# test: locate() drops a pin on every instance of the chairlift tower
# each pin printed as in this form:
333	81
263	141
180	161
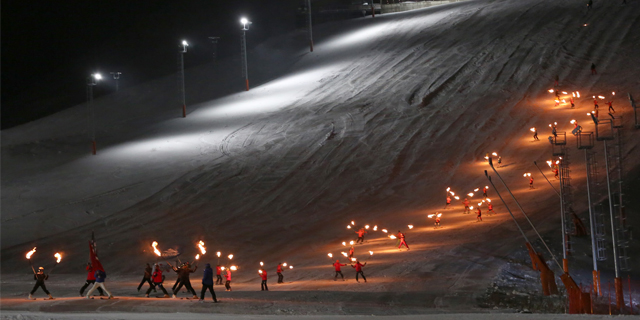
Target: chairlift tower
559	149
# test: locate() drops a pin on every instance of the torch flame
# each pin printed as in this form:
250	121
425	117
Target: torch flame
348	227
353	223
198	256
470	194
351	242
457	198
550	90
344	254
284	264
452	193
230	257
564	92
261	263
601	97
476	189
290	267
370	253
384	230
613	93
260	271
30	253
58	256
344	243
578	94
218	254
495	154
410	226
471	207
375	228
155	250
431	215
572	121
488	200
439	215
202	248
533	129
366	227
449	188
353	259
392	236
574	94
222	268
330	255
234	268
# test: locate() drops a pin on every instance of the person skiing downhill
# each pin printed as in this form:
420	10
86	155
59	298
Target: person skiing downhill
218	275
337	266
401	237
263	275
555	173
466	206
436	223
490	208
91	279
358	267
40	277
158	279
531	183
207	283
484	192
279	272
611	109
479	215
100	276
448	201
535	134
183	274
361	234
351	252
227	284
572	103
146	277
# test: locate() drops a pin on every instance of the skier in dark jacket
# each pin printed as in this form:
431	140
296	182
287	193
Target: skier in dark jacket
183	275
146	277
176	269
158	279
91	279
207	283
40	277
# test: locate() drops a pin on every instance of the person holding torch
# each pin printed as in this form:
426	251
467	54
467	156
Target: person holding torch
279	272
337	266
218	275
358	266
263	275
40	277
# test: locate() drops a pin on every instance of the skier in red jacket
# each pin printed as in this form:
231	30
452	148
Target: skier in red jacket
490	208
531	183
437	222
479	215
263	275
484	192
401	237
279	272
91	279
466	206
157	279
218	275
351	251
358	267
337	266
448	202
361	234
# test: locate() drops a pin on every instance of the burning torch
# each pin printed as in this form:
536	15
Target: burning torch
29	254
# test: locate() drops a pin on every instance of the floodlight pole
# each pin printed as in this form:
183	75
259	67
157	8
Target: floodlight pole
310	26
617	280
92	80
184	97
116	77
245	27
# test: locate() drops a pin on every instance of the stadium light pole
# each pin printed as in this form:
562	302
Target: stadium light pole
245	27
116	77
92	81
310	26
184	44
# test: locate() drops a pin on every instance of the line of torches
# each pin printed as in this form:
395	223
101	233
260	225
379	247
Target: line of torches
284	264
202	249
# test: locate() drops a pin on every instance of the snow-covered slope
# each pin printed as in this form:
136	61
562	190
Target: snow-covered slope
372	126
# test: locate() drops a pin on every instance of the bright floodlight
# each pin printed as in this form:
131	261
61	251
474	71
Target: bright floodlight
184	43
244	21
97	76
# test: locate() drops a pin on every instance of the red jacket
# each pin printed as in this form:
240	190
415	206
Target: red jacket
361	233
263	275
359	266
400	235
490	206
228	275
218	270
279	270
157	276
530	180
466	203
479	212
448	200
90	273
337	265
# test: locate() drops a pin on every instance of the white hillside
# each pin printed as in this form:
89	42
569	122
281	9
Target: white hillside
372	126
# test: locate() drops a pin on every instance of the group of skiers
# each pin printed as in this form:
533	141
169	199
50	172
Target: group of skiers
358	266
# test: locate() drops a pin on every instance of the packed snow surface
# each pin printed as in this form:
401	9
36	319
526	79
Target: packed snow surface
372	126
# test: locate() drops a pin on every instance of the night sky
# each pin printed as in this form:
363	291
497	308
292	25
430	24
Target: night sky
50	47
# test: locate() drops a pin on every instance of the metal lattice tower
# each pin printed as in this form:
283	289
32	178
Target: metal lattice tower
622	229
559	149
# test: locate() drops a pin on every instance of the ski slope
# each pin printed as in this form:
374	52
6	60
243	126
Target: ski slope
372	126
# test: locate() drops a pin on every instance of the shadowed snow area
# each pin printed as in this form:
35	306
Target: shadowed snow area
372	126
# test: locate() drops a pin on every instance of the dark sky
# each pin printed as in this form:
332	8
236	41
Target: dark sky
50	47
